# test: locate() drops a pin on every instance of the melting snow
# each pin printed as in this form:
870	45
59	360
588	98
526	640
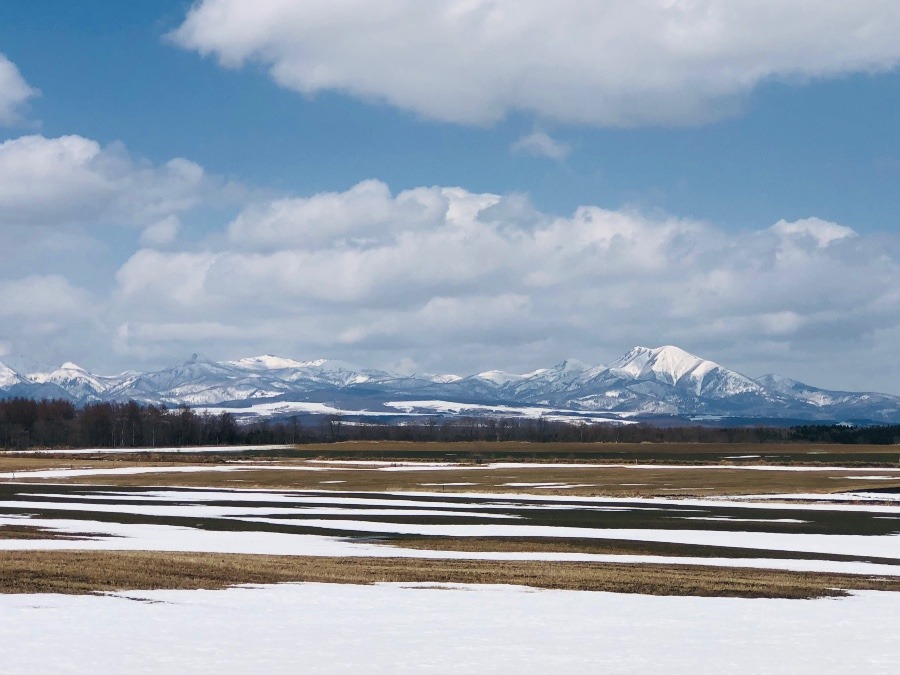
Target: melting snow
415	628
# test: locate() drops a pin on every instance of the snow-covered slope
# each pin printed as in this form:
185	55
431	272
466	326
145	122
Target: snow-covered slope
79	383
651	381
9	377
15	385
835	404
323	371
198	381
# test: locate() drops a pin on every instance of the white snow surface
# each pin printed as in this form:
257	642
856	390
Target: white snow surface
309	508
136	470
144	537
430	628
9	377
529	412
180	449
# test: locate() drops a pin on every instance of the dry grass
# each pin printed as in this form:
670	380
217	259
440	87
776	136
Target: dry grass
607	481
79	572
13	463
33	532
551	450
477	451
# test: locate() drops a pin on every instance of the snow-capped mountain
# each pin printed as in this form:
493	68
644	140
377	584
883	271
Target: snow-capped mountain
199	381
9	377
15	385
675	367
662	381
79	383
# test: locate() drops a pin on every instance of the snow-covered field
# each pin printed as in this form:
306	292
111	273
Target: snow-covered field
330	523
406	628
415	628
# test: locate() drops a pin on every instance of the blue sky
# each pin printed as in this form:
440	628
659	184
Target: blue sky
699	145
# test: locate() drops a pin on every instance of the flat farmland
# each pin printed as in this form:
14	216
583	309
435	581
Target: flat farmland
440	534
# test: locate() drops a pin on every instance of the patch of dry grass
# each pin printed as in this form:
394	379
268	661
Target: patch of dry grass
34	532
548	451
608	481
13	463
592	481
79	572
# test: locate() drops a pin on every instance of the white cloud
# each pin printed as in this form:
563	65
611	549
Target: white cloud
820	231
541	144
476	280
602	62
38	297
14	92
365	213
70	179
162	232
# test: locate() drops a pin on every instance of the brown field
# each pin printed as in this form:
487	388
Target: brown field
587	481
479	451
95	571
391	448
10	462
79	572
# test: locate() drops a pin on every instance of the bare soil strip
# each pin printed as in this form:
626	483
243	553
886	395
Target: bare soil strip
80	572
609	547
31	532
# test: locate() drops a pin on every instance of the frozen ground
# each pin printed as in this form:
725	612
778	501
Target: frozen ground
333	523
403	628
214	449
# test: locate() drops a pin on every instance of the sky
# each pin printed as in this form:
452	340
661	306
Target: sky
452	186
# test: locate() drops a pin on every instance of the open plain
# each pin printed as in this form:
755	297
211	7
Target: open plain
750	523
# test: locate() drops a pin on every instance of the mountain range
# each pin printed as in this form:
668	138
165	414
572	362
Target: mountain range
659	383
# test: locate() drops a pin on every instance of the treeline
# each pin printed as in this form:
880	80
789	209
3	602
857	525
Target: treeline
25	423
841	433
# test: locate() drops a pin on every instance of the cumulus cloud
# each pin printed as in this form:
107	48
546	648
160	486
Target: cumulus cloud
161	232
54	181
14	92
541	144
815	229
37	296
599	62
444	276
365	213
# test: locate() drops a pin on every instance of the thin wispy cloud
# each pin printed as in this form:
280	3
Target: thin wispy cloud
14	92
541	144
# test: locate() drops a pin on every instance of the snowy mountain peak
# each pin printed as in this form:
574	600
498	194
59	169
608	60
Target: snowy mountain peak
9	377
633	361
571	366
499	377
668	362
68	365
446	378
266	362
677	363
675	367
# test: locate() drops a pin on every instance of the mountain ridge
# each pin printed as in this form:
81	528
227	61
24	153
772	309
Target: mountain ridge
644	381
